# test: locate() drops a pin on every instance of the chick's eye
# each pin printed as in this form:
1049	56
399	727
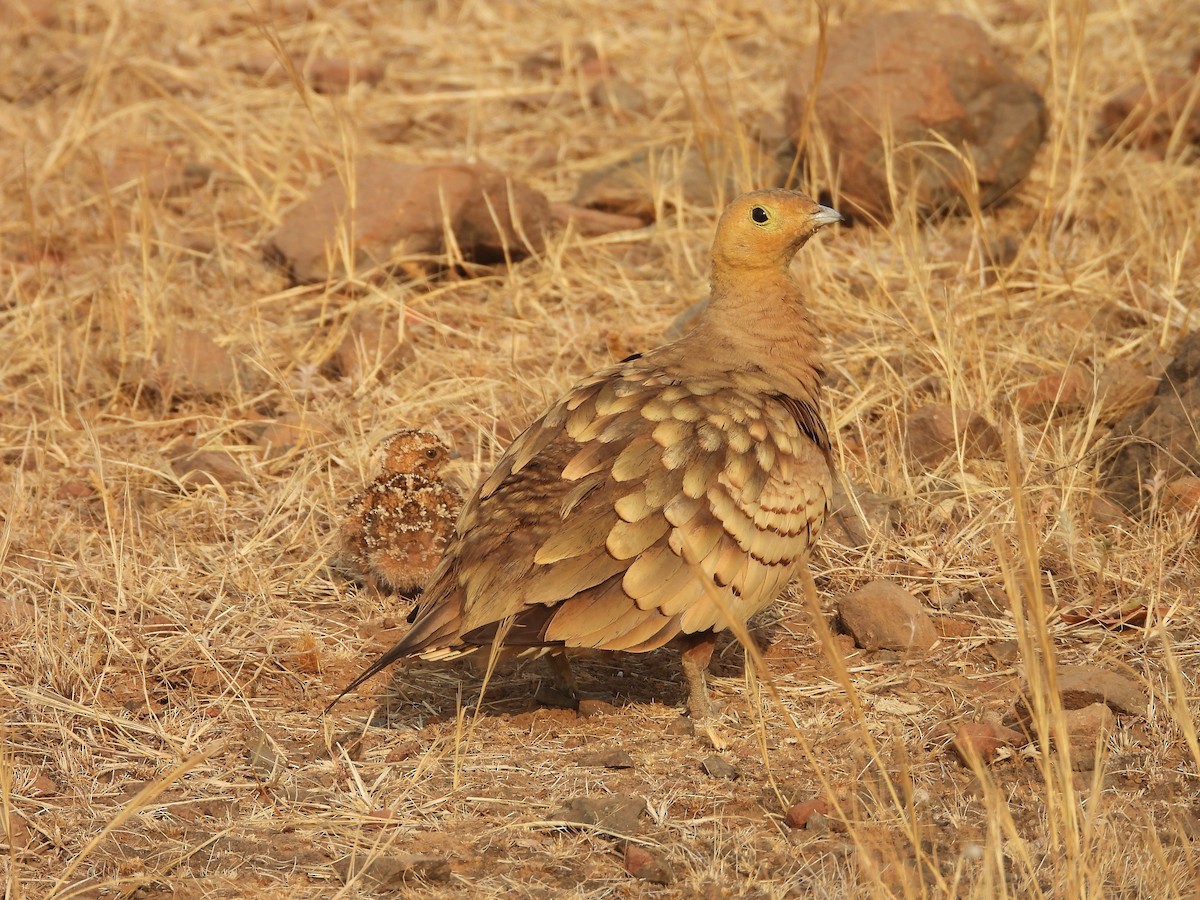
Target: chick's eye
431	453
760	215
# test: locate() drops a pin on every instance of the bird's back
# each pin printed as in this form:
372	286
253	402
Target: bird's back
601	524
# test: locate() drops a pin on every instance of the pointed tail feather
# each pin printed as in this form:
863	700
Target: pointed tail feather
435	628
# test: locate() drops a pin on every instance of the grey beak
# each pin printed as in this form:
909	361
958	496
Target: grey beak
826	216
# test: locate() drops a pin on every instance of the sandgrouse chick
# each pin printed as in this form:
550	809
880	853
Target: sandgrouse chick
700	466
396	529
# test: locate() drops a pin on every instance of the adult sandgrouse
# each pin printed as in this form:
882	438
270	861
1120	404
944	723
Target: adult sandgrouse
395	530
702	465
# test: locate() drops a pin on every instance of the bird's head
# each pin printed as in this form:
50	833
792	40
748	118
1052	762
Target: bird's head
764	229
415	452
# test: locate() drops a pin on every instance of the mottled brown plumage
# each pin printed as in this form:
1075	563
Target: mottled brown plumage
395	530
704	461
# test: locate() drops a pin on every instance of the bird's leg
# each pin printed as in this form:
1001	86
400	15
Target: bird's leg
695	659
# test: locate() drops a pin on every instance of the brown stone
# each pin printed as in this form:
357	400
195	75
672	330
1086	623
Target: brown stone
884	616
1182	495
799	814
983	740
192	363
617	814
924	79
937	430
639	185
1157	443
400	217
1067	391
592	222
1122	387
294	431
645	865
1150	114
1080	686
197	467
857	522
1087	729
393	872
372	347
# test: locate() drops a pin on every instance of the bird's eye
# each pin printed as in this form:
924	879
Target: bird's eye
760	215
431	453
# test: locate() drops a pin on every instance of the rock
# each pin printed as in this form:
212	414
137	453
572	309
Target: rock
338	75
371	347
956	89
1080	686
1182	495
198	467
982	740
716	767
617	815
393	872
607	759
647	866
1004	652
641	184
592	222
884	616
818	823
1157	443
1068	391
400	214
935	431
799	815
857	522
1150	114
991	599
592	706
681	726
294	431
1123	387
1087	729
189	363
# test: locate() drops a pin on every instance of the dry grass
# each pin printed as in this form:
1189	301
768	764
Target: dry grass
167	650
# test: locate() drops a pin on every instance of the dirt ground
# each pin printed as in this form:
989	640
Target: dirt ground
168	642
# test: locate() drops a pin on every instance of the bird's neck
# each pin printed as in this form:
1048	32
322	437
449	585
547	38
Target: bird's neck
758	318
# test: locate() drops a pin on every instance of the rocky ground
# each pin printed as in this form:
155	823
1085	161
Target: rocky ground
242	245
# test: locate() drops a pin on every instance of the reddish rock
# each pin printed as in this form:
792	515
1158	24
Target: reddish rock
401	212
857	521
592	222
937	430
1157	443
923	78
1087	729
190	363
800	813
1067	391
639	185
1122	387
197	467
646	866
884	616
1182	495
1080	686
1150	114
983	740
372	347
293	431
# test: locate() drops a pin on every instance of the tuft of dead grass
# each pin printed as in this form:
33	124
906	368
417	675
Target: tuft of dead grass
167	647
